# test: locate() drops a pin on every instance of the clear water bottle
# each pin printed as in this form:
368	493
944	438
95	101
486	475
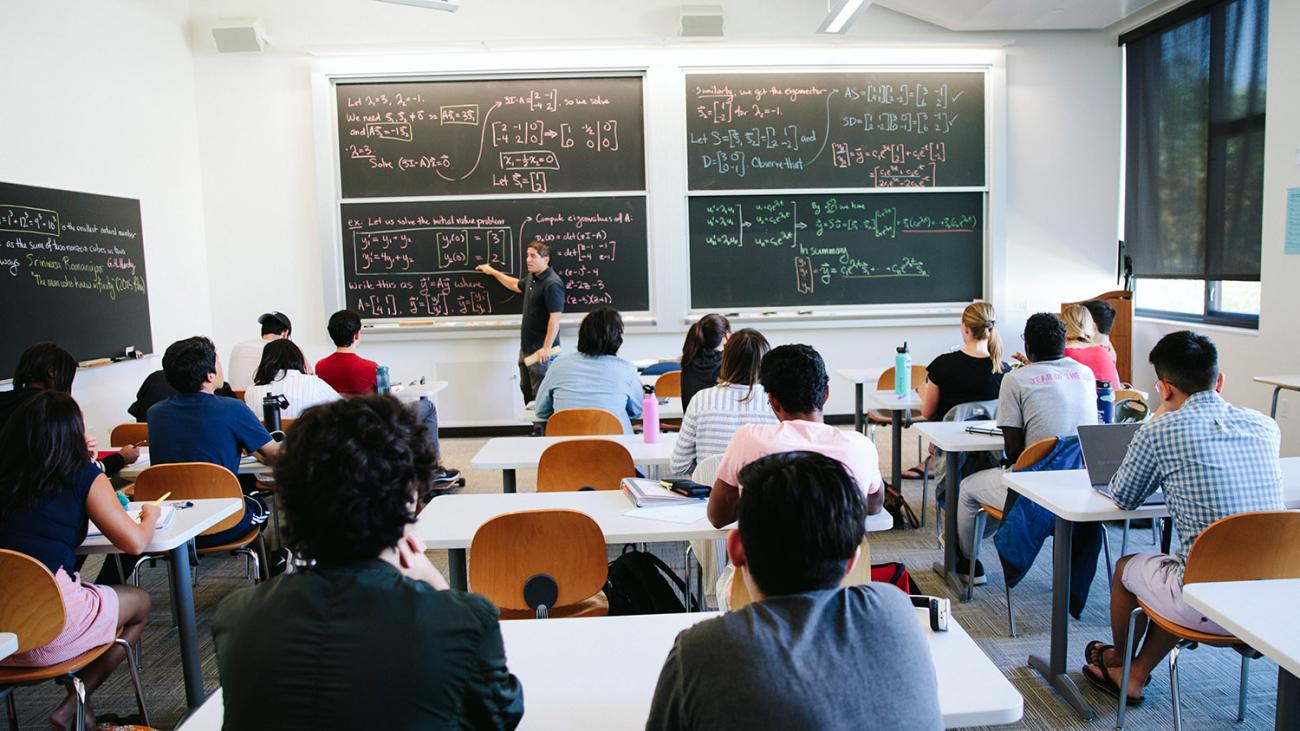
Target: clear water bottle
1105	403
903	371
381	379
650	418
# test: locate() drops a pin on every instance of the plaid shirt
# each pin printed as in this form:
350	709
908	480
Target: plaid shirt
1212	460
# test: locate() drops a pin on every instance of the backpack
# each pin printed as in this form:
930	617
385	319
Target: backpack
641	583
894	573
897	507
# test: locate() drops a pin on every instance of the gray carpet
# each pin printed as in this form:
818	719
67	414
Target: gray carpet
1208	675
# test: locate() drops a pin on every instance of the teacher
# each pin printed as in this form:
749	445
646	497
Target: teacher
539	328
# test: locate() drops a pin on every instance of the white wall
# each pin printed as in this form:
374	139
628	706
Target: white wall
1056	239
99	97
1274	348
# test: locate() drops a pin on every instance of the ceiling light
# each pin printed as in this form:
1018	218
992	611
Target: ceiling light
842	15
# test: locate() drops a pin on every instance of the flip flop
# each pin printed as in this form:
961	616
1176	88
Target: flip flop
1108	686
1094	651
911	473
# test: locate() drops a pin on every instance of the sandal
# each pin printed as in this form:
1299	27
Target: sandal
1108	686
1094	651
915	473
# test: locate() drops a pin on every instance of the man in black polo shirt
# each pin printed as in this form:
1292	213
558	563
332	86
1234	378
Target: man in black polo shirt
539	330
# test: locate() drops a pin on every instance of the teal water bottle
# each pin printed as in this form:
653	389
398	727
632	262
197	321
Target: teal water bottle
903	371
381	379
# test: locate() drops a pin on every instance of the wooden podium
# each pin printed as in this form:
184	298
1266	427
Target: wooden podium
1121	333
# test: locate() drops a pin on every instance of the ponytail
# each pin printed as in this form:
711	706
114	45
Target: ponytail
706	334
981	319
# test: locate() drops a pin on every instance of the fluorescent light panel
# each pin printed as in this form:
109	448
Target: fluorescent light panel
841	17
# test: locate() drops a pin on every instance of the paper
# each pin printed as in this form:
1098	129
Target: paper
166	515
688	513
1291	238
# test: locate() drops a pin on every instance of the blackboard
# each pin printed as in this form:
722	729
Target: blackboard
417	259
835	130
71	271
840	249
507	137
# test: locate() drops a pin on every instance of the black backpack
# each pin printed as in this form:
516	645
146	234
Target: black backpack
641	583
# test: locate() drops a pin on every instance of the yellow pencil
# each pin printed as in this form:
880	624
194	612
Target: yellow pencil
160	500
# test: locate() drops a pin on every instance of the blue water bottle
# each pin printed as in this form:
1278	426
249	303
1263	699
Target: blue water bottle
903	371
1105	403
381	379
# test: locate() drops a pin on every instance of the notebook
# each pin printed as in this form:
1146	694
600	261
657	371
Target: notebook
165	517
646	493
1104	447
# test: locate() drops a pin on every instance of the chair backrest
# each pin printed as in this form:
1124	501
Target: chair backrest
669	385
510	549
1128	393
706	470
1034	453
30	605
239	394
192	481
663	366
132	432
886	380
973	410
1245	547
572	465
582	422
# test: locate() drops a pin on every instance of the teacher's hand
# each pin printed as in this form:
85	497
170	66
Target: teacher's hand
486	269
543	355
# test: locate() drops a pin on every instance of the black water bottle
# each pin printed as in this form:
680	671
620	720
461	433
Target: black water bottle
271	412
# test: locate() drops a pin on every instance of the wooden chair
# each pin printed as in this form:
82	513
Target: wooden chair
669	385
1242	547
32	607
876	418
584	463
860	574
540	563
200	481
239	394
132	432
582	422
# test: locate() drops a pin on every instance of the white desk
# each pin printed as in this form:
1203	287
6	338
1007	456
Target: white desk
520	453
1257	611
860	378
1068	495
952	438
669	408
415	391
450	522
8	644
571	679
247	466
1279	383
896	406
188	523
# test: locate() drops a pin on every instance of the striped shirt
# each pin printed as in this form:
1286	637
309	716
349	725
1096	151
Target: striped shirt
711	419
303	391
1212	460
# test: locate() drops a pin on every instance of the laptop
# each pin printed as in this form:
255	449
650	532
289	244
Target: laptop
1104	447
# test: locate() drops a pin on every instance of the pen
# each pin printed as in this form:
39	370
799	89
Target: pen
160	500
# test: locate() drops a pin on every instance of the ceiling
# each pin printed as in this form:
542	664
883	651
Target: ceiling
993	15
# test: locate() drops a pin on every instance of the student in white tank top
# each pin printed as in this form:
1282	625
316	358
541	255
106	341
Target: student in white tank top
284	371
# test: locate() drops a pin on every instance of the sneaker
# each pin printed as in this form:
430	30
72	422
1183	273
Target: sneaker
963	570
445	476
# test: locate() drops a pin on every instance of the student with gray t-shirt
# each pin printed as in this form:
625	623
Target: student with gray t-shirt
805	654
1050	397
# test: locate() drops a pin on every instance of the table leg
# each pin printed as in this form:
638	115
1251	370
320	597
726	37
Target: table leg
508	480
896	450
183	604
1053	669
1166	534
857	407
951	494
1288	701
459	578
1272	412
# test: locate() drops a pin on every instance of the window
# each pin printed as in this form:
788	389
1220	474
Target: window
1194	160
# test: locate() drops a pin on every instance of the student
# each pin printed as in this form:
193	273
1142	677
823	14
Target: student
283	371
1212	460
1050	397
1079	329
594	377
47	367
539	325
716	413
49	489
156	388
246	355
1103	318
805	654
794	377
369	635
702	355
351	375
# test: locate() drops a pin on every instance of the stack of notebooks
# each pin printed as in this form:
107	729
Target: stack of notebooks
645	493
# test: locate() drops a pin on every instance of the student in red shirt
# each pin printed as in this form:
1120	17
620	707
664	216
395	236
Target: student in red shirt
352	375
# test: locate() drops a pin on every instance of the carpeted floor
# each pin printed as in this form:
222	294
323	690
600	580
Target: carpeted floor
1209	676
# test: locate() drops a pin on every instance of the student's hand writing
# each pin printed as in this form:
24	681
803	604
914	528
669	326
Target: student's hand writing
149	513
130	453
416	565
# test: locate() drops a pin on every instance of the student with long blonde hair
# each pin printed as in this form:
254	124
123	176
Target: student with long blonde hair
1079	345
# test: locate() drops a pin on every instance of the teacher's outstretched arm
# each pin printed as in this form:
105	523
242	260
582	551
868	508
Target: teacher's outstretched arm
507	281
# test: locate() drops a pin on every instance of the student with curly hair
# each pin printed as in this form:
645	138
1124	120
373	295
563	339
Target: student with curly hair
369	635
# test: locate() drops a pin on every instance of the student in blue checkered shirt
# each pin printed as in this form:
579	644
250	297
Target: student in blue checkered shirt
1212	460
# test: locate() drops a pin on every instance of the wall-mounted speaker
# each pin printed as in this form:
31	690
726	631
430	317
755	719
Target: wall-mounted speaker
701	21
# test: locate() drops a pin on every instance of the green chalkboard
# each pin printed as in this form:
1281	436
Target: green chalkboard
842	249
841	129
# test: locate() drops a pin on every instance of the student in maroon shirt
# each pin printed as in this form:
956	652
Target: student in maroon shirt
352	375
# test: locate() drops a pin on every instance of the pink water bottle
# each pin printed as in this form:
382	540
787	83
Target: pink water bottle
650	418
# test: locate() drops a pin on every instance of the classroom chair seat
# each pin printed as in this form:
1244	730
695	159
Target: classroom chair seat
540	563
32	608
584	463
881	418
131	432
1229	549
669	385
582	422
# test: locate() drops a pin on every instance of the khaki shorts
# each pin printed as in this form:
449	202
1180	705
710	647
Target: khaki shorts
1154	579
